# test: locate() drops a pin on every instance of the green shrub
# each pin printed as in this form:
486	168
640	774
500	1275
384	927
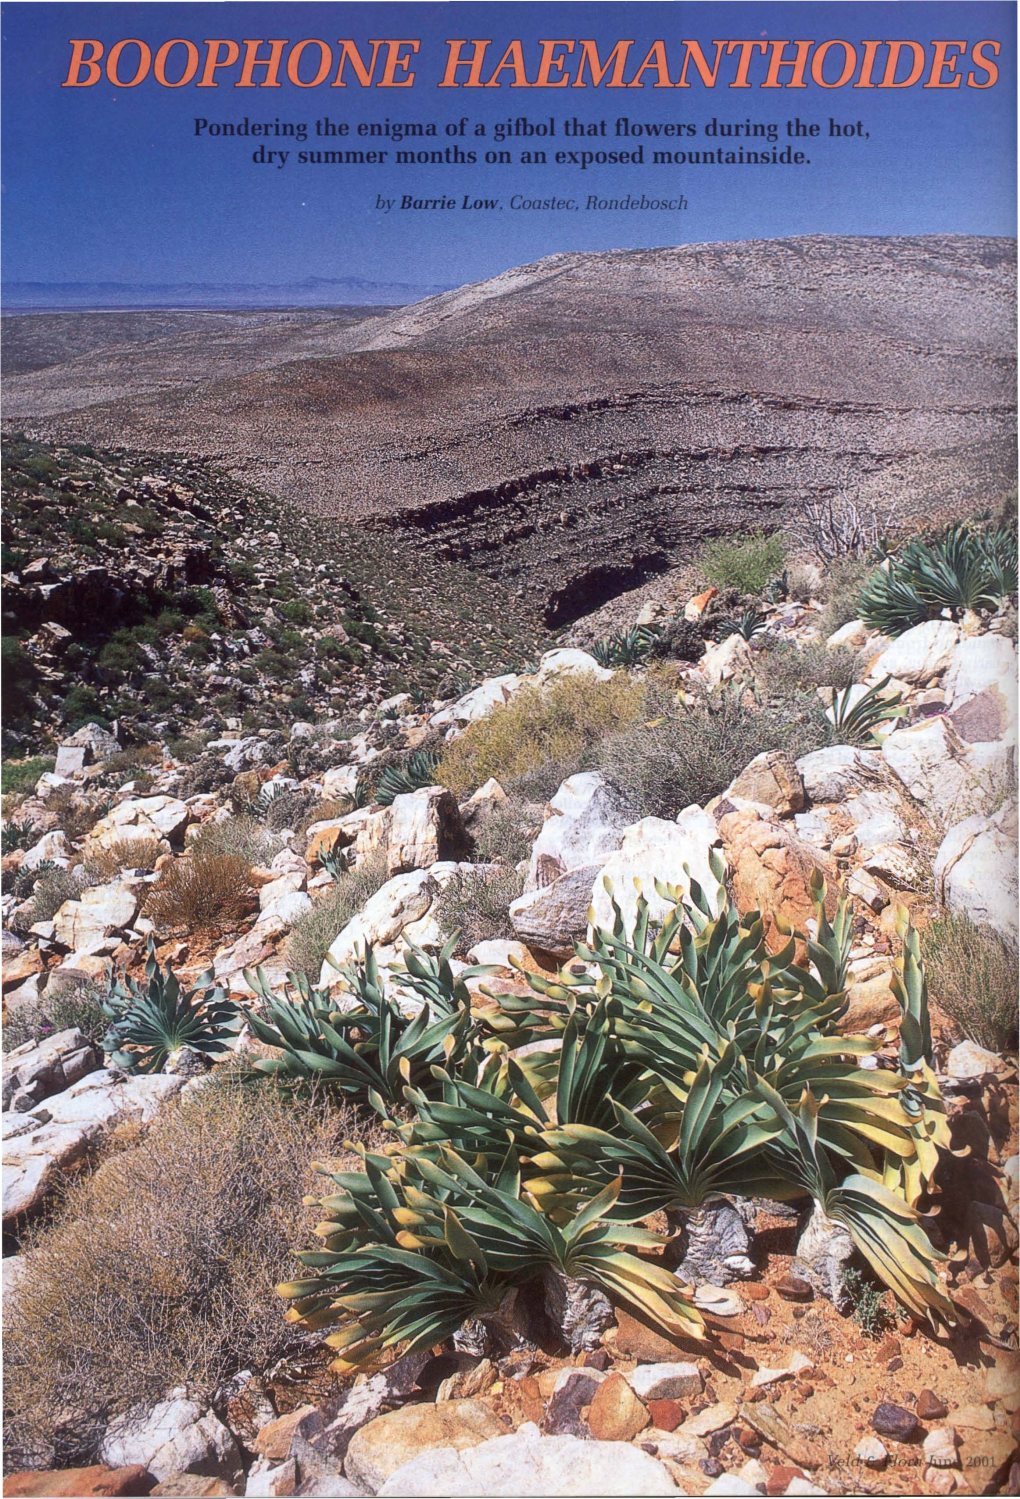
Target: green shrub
788	669
20	675
868	1297
477	905
542	735
972	972
21	775
691	753
312	935
842	592
746	563
83	705
159	1270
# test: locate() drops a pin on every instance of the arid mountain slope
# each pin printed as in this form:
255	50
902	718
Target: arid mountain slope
579	423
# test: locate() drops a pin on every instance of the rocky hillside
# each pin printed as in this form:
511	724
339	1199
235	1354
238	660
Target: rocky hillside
161	595
759	893
581	422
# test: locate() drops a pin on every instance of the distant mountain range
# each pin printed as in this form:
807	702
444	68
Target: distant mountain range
313	291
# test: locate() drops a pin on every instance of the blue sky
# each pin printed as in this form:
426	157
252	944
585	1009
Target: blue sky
111	184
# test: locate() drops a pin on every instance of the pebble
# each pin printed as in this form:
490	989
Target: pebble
894	1422
666	1414
871	1452
616	1414
792	1288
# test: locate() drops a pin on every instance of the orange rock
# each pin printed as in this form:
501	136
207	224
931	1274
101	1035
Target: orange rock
695	607
616	1414
79	1483
274	1440
772	870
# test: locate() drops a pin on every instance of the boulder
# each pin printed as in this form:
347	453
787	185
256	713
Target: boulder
830	775
854	633
922	652
772	871
66	1129
970	1060
653	849
396	905
101	911
616	1413
175	1436
976	870
564	663
871	1002
389	1442
492	693
39	1069
981	691
696	606
554	917
52	848
79	1483
585	825
528	1463
424	828
951	779
721	663
147	819
480	805
341	781
771	779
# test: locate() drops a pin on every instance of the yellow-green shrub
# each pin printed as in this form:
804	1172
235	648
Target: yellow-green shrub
555	726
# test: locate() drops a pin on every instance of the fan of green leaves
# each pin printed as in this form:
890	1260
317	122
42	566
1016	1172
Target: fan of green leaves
963	569
625	647
735	1043
370	1051
153	1021
747	624
419	770
856	715
418	1244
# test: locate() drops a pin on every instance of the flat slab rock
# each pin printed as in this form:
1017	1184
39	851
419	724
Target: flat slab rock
401	1437
79	1483
527	1463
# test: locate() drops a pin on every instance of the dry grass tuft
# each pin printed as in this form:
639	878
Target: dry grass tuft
202	892
312	934
557	726
160	1270
125	853
972	976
